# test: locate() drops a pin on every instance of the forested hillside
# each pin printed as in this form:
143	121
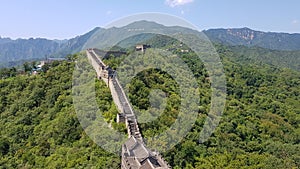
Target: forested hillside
260	125
276	58
259	128
39	126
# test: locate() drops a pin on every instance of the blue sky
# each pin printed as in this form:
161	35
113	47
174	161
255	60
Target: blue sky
69	18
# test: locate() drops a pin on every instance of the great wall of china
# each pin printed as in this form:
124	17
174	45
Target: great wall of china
135	154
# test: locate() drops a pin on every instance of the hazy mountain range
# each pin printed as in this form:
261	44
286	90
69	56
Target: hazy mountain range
248	37
13	52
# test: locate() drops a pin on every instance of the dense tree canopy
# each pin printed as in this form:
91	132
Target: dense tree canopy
260	124
260	127
39	127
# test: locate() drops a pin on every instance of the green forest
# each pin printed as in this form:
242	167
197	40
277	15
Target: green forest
260	126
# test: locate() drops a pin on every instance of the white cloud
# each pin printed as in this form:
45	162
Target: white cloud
174	3
295	22
108	12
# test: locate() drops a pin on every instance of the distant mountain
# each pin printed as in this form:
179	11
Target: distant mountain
105	38
4	40
250	38
13	52
74	45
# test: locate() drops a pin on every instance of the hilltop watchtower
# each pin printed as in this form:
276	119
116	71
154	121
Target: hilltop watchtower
142	47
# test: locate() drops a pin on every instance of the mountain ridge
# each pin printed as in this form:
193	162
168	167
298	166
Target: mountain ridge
12	51
248	37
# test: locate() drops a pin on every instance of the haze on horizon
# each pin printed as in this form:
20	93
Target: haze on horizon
70	18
